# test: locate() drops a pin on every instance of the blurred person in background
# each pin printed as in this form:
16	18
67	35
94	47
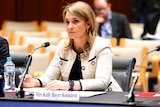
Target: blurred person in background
142	8
110	24
4	53
151	29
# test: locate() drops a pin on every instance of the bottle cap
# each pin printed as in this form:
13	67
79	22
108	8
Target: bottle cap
9	58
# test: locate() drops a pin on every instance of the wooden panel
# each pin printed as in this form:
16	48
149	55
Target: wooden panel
27	10
123	6
7	10
51	10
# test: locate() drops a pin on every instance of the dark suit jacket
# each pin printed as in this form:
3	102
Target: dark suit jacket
120	26
151	23
4	52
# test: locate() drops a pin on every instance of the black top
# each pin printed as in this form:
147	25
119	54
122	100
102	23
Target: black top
76	73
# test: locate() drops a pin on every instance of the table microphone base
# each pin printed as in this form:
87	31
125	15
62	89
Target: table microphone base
20	93
126	102
132	98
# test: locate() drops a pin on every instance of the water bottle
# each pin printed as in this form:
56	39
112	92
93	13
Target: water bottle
9	74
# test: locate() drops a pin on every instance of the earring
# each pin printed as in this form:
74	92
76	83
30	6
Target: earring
87	30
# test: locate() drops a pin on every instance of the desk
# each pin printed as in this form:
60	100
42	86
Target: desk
110	99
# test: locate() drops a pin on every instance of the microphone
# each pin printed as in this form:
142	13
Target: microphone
20	92
156	49
131	96
46	44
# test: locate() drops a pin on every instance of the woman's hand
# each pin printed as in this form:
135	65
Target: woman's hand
57	85
28	81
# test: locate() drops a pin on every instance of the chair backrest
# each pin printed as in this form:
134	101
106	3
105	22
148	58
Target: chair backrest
55	30
132	43
17	36
46	24
40	62
2	33
20	60
19	48
19	25
36	42
122	70
138	53
137	30
53	27
113	41
9	26
151	45
61	34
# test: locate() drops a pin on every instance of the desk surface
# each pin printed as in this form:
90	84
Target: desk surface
120	98
110	99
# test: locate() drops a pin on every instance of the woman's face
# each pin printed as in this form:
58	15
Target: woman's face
76	27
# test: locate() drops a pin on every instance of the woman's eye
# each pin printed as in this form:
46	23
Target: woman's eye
66	22
75	21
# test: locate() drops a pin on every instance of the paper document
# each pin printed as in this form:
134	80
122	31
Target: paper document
81	93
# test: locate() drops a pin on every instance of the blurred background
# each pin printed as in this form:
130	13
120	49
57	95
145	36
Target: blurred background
29	10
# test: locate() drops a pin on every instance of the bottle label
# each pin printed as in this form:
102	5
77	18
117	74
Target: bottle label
9	68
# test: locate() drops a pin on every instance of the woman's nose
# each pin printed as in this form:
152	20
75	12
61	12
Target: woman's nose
70	25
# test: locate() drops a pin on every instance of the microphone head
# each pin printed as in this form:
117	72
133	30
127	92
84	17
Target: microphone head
46	44
158	48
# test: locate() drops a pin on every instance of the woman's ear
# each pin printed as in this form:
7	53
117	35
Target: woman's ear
88	25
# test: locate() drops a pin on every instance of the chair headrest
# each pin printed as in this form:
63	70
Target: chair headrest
122	62
19	59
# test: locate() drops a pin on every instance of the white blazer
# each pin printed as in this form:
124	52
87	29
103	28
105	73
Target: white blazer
96	69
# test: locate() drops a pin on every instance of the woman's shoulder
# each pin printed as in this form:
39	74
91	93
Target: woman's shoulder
101	45
102	42
62	42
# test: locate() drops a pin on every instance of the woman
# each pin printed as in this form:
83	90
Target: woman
83	61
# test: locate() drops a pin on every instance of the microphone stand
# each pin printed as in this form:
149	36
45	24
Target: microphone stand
131	96
21	93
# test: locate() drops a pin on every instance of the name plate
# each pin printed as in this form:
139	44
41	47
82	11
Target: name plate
57	95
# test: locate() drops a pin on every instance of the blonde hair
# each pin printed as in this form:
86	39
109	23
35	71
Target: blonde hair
84	12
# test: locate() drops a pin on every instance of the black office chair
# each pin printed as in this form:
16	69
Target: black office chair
122	70
20	60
